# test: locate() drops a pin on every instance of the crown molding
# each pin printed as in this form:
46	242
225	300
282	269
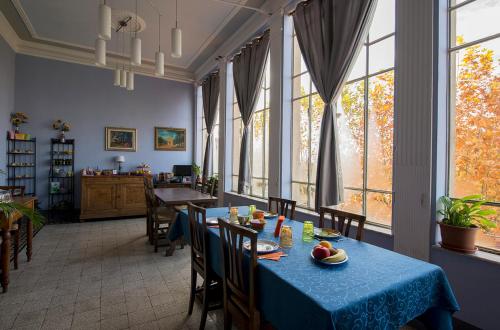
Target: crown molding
83	57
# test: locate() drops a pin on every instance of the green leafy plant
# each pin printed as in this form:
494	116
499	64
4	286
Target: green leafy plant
466	212
9	208
196	169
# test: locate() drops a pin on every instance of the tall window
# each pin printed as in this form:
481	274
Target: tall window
215	144
474	57
365	122
259	140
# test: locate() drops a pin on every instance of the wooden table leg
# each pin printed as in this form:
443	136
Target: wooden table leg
29	233
5	259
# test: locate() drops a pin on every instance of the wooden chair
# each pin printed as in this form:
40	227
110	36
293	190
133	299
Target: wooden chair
200	263
159	219
239	281
341	220
284	207
15	231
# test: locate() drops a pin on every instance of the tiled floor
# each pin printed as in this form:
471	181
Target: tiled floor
103	275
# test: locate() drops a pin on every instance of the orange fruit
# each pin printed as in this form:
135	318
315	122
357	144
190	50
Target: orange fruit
326	244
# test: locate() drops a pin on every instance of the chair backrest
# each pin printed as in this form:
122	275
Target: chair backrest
14	190
238	266
284	207
151	200
198	232
341	220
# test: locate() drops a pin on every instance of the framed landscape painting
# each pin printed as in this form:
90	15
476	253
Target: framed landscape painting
121	139
170	139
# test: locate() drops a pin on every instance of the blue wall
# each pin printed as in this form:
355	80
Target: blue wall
7	79
85	97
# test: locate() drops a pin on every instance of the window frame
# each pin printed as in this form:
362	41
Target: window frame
266	89
364	190
450	101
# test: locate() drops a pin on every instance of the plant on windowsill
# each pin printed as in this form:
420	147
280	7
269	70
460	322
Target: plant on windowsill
462	218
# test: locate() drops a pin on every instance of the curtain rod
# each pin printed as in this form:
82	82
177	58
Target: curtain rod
302	3
256	39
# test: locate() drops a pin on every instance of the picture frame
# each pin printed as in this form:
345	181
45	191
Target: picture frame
170	139
120	139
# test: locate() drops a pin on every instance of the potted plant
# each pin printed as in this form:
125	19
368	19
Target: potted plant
462	218
196	172
8	207
61	126
18	118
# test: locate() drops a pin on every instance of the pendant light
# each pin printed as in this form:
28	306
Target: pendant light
104	21
130	80
160	57
123	78
100	52
117	76
136	56
176	37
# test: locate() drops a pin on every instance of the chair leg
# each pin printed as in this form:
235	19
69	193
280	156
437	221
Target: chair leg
204	312
228	320
156	236
17	240
194	276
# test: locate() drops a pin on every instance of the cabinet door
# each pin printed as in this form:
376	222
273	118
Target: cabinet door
132	196
100	197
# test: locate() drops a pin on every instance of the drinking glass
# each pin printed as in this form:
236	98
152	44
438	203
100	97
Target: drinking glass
308	231
286	239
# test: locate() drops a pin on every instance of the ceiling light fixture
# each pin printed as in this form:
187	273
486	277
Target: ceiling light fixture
100	52
130	80
104	21
160	57
136	56
176	37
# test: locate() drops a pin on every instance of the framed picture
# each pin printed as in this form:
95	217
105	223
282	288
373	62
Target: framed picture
170	139
121	139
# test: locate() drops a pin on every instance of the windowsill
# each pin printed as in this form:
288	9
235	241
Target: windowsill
306	212
479	255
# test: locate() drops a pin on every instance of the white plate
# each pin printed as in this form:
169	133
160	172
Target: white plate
319	233
330	263
212	221
263	246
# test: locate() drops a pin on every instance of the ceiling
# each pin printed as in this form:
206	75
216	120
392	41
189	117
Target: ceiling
73	24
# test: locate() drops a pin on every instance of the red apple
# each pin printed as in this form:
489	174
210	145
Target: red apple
321	252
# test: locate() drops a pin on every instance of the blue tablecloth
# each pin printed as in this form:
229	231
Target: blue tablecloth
375	289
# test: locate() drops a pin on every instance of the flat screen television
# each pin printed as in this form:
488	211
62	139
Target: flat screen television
182	170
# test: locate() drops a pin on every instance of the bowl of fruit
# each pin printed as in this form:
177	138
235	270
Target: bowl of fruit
325	254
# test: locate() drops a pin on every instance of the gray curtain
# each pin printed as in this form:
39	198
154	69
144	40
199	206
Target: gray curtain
210	93
330	34
248	71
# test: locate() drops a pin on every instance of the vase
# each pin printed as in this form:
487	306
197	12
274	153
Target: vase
62	138
17	129
460	239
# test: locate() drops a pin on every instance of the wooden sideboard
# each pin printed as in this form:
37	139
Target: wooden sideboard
112	196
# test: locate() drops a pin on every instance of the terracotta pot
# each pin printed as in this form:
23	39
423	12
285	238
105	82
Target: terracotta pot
458	238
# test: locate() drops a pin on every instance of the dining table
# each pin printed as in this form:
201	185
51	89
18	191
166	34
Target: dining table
375	289
6	225
172	197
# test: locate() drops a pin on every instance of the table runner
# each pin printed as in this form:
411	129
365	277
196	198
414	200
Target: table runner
376	288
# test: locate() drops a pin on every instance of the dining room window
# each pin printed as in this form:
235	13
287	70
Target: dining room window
215	144
474	106
365	123
259	140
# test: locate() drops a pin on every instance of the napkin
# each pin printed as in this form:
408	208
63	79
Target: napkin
276	256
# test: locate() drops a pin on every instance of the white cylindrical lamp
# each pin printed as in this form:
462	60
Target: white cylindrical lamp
160	64
136	55
130	81
176	42
100	52
104	22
